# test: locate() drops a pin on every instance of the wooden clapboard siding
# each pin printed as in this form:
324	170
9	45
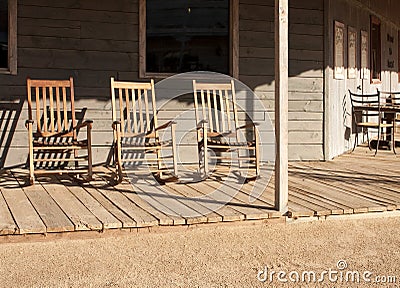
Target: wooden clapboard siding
94	40
89	40
305	68
339	136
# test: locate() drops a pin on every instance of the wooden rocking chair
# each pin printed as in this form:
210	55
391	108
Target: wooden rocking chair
218	127
136	129
55	139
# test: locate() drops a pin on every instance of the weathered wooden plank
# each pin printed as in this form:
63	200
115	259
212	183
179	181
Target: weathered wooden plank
327	207
7	179
349	190
294	209
179	205
201	214
102	214
238	202
68	13
320	191
7	224
95	189
50	213
26	218
167	218
63	59
150	191
299	68
163	218
196	202
306	152
80	216
307	202
141	217
217	203
371	189
223	212
258	193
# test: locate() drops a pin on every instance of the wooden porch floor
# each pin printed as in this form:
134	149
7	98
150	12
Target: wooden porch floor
352	183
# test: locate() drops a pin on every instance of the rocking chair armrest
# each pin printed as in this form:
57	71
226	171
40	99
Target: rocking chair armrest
27	122
248	125
164	126
201	124
86	123
115	124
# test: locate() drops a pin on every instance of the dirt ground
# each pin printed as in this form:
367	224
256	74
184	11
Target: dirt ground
215	256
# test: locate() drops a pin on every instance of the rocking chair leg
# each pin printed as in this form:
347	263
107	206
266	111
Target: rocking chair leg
205	137
90	168
257	152
198	153
76	156
119	160
174	151
31	167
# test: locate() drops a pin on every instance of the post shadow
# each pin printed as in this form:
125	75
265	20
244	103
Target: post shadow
10	112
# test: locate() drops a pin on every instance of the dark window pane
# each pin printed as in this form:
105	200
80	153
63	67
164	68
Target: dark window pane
376	50
186	36
3	33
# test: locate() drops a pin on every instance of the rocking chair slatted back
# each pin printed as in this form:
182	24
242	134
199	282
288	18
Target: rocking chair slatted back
218	128
133	101
52	103
213	104
51	99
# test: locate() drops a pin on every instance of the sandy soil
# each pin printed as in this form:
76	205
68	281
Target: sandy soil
210	256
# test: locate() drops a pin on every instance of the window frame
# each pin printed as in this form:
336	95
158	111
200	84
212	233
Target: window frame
398	55
233	42
12	39
375	21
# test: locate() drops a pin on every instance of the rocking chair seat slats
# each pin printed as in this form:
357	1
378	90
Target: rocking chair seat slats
51	110
46	143
225	143
156	143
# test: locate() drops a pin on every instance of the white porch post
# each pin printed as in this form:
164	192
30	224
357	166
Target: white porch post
281	104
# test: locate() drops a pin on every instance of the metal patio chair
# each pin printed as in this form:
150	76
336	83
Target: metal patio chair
368	114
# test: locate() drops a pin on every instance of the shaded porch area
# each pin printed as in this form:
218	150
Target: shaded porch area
352	183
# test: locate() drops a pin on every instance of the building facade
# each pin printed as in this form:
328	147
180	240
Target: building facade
141	39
